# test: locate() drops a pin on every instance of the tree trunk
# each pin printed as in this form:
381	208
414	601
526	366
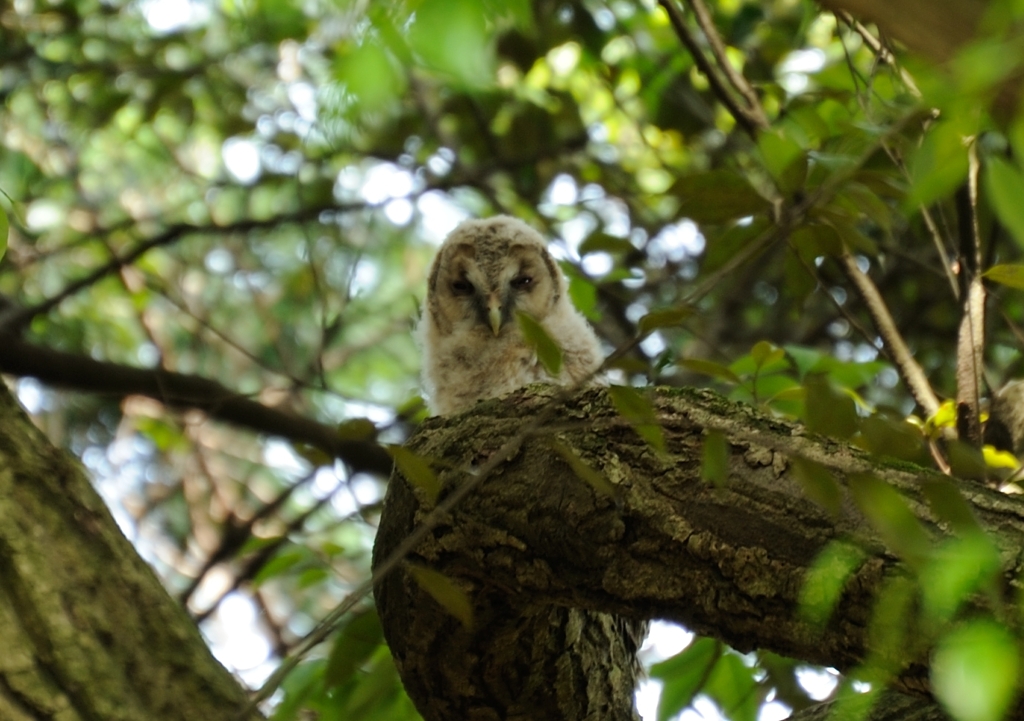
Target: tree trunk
87	631
725	561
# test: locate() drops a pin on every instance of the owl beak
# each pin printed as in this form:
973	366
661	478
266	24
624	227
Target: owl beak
494	315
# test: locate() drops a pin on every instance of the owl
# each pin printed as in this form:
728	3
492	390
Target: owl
485	272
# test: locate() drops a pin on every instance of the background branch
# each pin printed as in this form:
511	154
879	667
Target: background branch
178	390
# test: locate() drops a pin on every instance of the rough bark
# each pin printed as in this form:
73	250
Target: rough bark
725	561
86	630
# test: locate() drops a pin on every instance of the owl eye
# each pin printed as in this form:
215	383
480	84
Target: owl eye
523	282
462	287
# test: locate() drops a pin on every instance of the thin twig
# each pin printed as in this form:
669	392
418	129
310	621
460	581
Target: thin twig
736	79
15	321
879	49
742	115
909	369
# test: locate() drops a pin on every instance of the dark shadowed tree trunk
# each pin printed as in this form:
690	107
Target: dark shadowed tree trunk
727	561
86	630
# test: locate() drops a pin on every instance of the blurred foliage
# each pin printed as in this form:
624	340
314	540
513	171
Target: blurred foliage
301	161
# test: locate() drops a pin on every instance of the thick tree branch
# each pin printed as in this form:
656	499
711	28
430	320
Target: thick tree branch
970	345
725	561
88	632
78	372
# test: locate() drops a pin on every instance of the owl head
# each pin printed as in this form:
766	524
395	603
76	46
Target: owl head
486	271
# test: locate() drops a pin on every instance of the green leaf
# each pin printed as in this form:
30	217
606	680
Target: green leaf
583	293
764	353
852	704
710	368
371	698
1006	274
370	75
445	592
784	159
638	411
1004	184
818	484
684	675
357	429
939	165
717	196
298	686
714	465
451	36
826	579
890	515
665	318
285	559
5	226
416	470
893	438
959	568
949	506
975	671
353	645
732	686
604	243
816	240
828	412
889	640
583	470
966	461
548	352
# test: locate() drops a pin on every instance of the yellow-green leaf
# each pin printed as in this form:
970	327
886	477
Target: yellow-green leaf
949	506
637	409
826	579
714	464
357	429
975	671
416	470
765	353
717	196
665	318
583	470
890	515
818	484
445	592
995	458
945	417
710	368
354	644
827	411
959	568
684	675
548	352
370	75
1011	274
1004	184
5	226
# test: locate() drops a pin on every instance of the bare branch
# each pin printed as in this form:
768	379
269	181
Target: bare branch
79	372
18	319
909	369
742	115
736	79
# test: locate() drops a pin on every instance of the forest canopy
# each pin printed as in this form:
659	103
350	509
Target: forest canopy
217	220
